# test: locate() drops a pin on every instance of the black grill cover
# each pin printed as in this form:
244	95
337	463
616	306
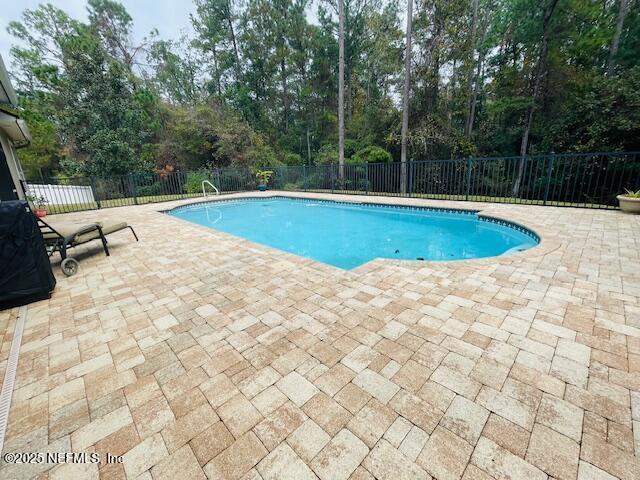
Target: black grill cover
25	271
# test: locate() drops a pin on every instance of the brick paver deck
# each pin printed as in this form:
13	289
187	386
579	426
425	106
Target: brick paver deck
196	354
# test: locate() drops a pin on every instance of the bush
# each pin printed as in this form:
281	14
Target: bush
371	154
262	156
155	188
350	147
292	186
195	179
236	180
292	159
327	154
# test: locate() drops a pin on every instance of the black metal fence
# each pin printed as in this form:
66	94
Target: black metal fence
591	180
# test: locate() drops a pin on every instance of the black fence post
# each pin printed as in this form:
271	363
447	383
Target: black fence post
410	174
94	191
468	185
132	188
549	172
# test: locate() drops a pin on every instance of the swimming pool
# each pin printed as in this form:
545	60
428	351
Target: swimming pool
347	235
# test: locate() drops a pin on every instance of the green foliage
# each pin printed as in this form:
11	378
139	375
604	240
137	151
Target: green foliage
261	155
37	200
43	155
263	176
603	115
371	154
292	159
327	154
632	194
257	84
195	179
155	188
208	135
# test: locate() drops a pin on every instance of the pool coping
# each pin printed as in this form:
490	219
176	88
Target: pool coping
477	212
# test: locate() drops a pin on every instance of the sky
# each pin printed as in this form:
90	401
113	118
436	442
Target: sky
170	17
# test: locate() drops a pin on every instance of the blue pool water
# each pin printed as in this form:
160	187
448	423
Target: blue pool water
347	236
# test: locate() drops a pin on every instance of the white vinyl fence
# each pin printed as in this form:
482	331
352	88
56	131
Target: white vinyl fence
62	194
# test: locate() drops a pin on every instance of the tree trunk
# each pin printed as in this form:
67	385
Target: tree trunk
308	146
474	97
470	82
285	96
341	89
615	43
217	75
235	47
405	100
537	79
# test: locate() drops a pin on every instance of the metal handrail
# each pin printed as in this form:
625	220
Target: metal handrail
204	191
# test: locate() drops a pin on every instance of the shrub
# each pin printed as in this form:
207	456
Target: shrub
149	190
371	154
195	179
292	159
328	153
236	180
262	156
350	147
292	186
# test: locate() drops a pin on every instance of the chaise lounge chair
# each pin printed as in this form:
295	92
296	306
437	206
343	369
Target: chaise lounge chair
63	236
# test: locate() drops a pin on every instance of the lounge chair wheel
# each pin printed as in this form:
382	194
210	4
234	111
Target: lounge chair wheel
69	266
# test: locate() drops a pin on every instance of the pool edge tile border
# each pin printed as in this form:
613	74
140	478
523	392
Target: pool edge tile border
322	200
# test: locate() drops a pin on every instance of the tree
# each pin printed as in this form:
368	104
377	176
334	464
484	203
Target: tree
485	77
112	24
215	22
341	89
43	155
39	64
538	75
105	119
405	100
206	136
176	74
615	42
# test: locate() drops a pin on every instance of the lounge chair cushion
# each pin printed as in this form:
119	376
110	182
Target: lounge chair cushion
67	229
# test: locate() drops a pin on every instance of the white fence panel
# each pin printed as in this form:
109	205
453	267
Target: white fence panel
62	194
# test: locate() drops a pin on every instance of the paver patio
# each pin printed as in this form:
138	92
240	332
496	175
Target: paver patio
196	354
